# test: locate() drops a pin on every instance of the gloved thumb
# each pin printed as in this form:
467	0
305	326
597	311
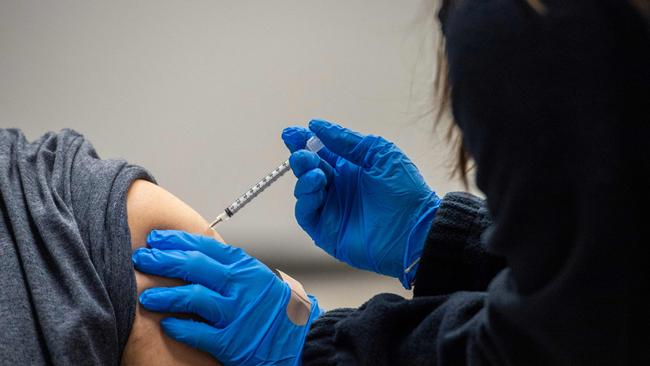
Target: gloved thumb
346	143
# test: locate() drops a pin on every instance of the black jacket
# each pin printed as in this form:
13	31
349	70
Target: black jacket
551	269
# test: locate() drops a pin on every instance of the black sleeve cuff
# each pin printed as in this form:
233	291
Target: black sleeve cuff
319	346
454	257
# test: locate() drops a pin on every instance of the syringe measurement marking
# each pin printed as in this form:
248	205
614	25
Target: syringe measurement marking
313	144
243	199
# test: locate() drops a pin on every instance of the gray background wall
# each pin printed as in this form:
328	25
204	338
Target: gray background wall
198	93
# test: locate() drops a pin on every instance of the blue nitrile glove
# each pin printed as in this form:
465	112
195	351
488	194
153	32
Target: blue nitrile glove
242	301
361	199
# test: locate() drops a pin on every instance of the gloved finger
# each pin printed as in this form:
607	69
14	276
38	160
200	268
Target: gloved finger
190	266
295	137
328	157
194	334
192	299
181	240
303	161
310	182
346	143
308	209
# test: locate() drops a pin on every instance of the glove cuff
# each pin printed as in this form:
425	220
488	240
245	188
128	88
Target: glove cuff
315	313
416	239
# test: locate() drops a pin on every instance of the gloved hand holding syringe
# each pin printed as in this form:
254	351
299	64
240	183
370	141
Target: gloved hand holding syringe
359	198
313	144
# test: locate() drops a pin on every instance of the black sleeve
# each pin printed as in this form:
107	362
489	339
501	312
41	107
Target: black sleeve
391	330
455	257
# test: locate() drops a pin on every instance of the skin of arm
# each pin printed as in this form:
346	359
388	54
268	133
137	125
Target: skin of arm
151	207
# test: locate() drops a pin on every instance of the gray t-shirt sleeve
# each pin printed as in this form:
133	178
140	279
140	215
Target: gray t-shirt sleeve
68	288
99	204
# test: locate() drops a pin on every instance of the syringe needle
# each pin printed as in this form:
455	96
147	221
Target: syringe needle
222	217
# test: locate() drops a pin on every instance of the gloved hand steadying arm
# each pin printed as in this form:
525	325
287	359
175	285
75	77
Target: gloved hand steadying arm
361	199
252	316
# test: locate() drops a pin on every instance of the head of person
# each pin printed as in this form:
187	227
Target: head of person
549	101
472	83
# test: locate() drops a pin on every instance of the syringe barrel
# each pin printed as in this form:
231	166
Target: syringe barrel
248	196
313	144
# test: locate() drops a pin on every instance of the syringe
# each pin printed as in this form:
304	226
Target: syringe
313	144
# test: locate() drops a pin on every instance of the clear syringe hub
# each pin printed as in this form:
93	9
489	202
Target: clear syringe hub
313	144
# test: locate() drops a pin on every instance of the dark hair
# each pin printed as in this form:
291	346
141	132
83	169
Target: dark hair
442	93
442	89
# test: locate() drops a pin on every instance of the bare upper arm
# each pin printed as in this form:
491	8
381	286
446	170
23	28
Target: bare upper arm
151	207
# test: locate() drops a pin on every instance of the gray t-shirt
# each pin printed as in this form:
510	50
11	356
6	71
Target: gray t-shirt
67	288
